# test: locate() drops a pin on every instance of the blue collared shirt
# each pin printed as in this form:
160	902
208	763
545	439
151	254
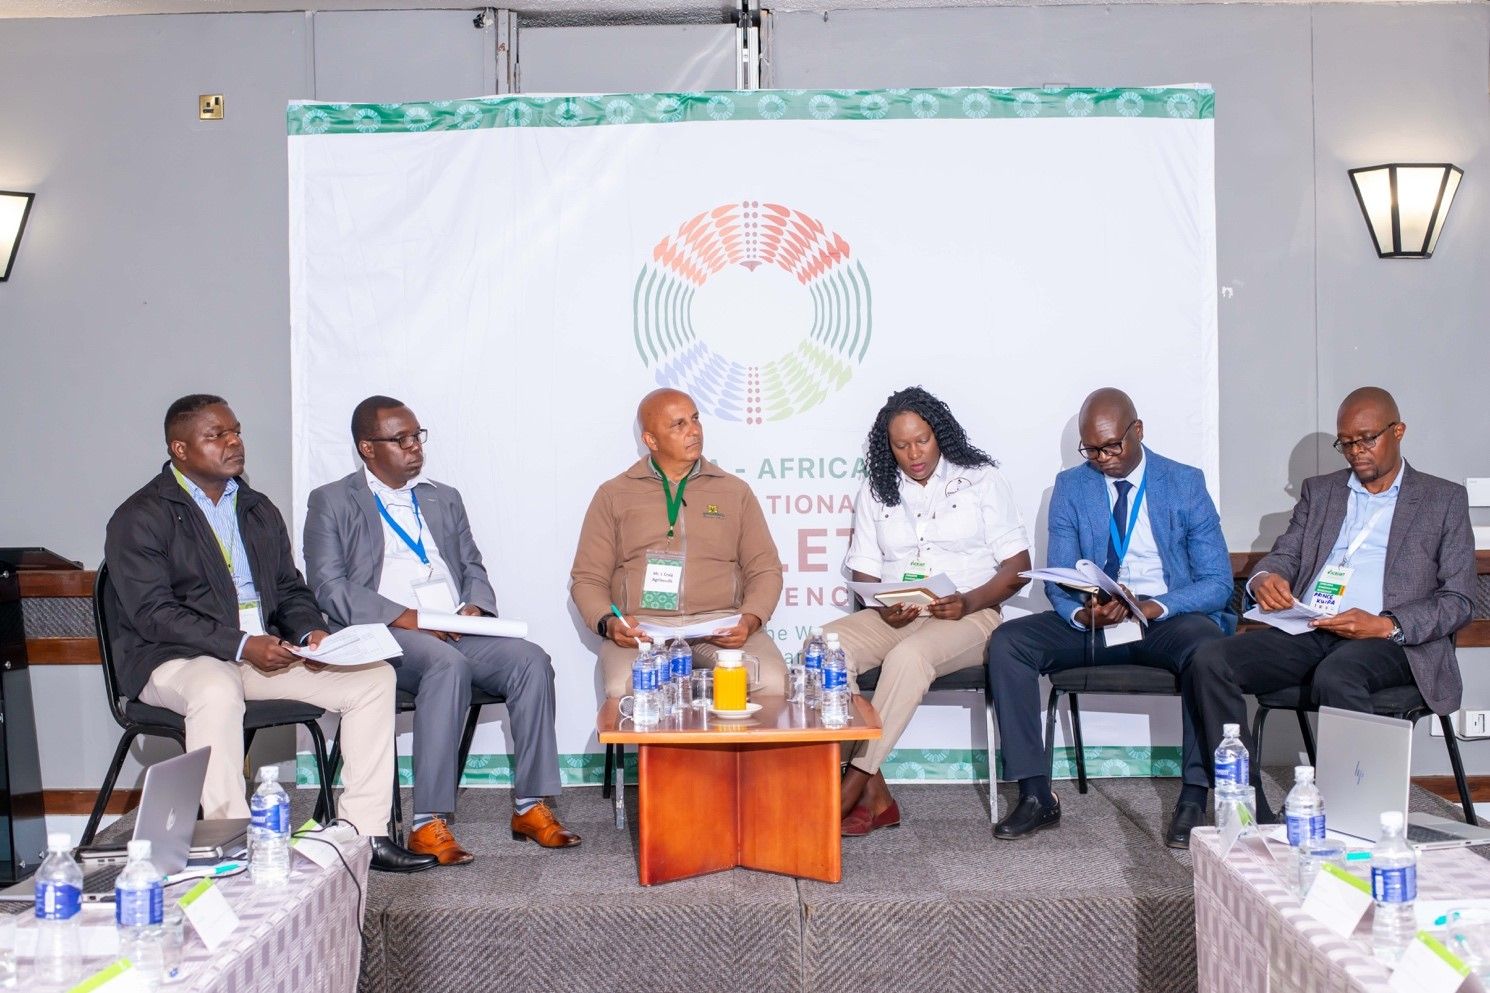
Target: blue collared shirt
1370	560
223	517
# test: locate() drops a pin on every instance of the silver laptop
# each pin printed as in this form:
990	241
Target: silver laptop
167	814
1364	768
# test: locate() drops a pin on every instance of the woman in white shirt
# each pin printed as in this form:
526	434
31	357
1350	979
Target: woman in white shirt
932	503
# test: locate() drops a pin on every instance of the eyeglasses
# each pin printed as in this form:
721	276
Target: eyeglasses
405	441
1345	447
1106	451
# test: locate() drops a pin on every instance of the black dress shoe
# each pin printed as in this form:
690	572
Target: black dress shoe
1028	815
1187	817
388	857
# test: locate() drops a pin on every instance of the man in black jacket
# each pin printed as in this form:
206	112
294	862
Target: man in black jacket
207	603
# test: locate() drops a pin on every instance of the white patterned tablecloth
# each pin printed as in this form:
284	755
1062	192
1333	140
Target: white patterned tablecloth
1252	935
305	937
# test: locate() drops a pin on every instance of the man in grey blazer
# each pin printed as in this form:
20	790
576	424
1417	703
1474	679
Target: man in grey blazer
384	541
1388	551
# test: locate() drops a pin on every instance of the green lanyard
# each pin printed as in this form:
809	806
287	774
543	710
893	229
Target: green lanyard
674	503
223	546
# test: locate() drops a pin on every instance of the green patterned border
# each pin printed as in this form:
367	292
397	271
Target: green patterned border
945	765
614	109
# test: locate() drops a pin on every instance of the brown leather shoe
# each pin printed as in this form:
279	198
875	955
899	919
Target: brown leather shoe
860	821
540	824
434	838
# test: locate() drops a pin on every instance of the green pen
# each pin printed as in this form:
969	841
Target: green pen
617	611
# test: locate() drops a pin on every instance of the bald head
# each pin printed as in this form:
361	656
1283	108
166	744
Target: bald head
1371	399
1111	433
671	430
1368	432
655	402
1108	402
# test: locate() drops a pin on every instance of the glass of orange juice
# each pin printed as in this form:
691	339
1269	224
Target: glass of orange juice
730	680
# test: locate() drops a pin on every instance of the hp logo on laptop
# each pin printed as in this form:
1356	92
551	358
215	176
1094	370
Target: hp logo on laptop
1360	774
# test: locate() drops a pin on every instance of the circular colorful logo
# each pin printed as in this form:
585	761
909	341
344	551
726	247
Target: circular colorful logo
755	309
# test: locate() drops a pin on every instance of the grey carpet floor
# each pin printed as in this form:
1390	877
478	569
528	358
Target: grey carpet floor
936	905
1097	905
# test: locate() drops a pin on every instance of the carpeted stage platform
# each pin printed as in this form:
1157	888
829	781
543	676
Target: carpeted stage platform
1098	905
936	905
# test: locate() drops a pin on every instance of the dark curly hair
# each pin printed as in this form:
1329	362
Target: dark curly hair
951	439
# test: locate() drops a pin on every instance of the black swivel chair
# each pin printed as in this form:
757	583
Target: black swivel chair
1402	702
137	718
405	704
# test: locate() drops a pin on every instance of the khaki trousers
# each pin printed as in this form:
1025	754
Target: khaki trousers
210	694
911	658
615	661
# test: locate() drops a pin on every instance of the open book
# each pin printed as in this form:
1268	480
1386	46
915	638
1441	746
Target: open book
1088	577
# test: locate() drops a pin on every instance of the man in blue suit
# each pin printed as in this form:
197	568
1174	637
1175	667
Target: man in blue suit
1151	525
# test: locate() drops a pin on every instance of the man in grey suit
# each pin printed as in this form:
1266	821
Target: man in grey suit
1387	552
380	544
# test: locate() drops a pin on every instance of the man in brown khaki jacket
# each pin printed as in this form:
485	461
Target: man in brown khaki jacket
677	540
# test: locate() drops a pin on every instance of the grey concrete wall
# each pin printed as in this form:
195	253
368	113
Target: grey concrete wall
156	259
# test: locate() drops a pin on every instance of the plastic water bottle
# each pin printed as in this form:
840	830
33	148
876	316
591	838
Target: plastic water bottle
59	903
139	913
812	664
269	830
1233	777
680	665
835	684
1394	887
1303	811
645	707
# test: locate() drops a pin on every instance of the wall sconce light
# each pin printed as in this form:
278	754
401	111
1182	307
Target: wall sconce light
1405	205
13	210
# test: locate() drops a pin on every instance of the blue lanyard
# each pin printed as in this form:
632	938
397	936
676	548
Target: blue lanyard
1120	545
417	547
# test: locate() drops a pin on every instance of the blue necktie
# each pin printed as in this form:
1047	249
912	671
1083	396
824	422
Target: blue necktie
1120	518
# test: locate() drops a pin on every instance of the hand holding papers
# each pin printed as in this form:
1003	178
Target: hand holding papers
1087	577
1294	620
661	634
917	592
491	627
356	645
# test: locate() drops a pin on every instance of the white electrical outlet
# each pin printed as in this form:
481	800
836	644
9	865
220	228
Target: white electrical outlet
1479	490
1435	727
1474	724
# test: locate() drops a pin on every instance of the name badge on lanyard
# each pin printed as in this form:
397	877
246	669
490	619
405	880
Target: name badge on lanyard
1329	587
662	582
917	567
251	618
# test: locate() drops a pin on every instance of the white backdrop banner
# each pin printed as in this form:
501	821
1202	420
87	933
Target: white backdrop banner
520	270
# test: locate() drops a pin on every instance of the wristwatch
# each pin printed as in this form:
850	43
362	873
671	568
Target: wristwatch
1397	636
600	625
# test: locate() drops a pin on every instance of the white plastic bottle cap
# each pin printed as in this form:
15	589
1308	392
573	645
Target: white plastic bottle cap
1302	773
59	841
817	630
1391	820
139	849
1231	730
269	774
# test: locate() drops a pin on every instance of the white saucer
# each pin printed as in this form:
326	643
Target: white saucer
735	715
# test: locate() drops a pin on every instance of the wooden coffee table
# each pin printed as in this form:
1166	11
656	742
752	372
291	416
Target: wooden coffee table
760	793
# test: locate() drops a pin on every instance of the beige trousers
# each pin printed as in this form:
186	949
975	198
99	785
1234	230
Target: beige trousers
210	694
615	661
912	657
